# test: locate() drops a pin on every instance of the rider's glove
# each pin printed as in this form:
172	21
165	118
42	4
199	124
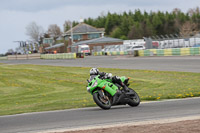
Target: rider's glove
102	74
108	75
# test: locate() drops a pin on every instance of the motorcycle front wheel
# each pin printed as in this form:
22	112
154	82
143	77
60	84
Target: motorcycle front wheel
104	103
134	100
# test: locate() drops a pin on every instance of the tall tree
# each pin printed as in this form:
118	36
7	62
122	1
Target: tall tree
147	28
125	26
34	31
138	24
136	31
188	28
67	25
10	52
108	24
116	33
54	31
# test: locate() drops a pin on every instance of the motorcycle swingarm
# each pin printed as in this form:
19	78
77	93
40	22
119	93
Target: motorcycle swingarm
130	94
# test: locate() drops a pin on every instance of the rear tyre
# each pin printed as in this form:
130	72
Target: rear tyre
134	100
101	102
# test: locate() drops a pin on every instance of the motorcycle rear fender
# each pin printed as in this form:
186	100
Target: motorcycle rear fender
123	78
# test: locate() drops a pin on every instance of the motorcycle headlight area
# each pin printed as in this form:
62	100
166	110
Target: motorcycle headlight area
88	89
95	84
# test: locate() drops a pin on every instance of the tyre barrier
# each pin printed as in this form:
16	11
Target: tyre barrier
155	52
114	53
111	53
80	55
98	53
170	52
59	56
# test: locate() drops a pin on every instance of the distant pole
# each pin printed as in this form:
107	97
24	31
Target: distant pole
182	36
154	38
194	39
189	40
173	40
72	40
178	39
169	46
160	40
164	40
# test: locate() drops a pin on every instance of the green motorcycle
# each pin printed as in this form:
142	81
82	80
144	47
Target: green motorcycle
107	94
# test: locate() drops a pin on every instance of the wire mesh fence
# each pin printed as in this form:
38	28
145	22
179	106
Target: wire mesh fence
172	41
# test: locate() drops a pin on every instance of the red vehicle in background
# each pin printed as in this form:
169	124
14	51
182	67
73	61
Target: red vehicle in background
155	44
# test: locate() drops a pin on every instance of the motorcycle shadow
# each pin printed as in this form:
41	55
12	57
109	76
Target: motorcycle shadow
117	107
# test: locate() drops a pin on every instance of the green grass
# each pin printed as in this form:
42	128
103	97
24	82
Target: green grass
33	88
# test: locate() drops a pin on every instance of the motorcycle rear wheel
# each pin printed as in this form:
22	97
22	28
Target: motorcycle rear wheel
134	100
103	103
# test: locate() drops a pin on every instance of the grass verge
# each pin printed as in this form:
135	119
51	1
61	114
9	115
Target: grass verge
33	88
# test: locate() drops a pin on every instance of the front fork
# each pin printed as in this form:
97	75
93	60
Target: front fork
101	93
103	97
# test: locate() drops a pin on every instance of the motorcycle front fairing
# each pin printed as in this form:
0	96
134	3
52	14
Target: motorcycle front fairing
95	83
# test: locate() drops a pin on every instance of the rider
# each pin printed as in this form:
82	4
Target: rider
115	79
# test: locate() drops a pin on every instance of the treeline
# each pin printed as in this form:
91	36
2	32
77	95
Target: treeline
137	24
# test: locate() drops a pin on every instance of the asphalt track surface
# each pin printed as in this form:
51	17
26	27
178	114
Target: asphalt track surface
66	119
178	63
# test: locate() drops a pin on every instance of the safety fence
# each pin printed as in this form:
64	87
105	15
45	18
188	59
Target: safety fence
156	52
59	56
147	52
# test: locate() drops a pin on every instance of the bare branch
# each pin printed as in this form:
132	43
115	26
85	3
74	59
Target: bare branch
34	31
54	31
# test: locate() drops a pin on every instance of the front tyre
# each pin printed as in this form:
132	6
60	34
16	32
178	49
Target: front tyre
134	100
104	103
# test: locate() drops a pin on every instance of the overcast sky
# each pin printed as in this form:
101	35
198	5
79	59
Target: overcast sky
15	15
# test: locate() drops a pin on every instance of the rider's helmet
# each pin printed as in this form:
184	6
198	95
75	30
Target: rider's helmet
94	71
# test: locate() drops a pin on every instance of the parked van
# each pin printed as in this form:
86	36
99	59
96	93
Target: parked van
84	49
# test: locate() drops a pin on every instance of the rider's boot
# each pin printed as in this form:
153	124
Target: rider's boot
124	86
